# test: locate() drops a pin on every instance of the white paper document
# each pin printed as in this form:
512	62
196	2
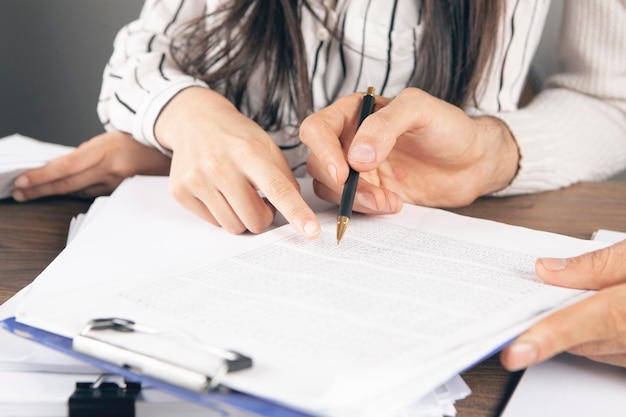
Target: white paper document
572	386
38	380
363	328
609	236
20	153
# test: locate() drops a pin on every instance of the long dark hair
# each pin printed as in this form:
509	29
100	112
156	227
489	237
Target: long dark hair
245	35
458	42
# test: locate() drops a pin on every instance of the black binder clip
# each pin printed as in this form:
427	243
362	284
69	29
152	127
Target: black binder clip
104	399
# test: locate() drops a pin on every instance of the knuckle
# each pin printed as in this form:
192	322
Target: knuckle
600	259
235	229
197	175
553	334
615	315
298	214
305	124
260	223
309	128
209	168
66	164
176	190
598	263
379	121
63	186
121	168
277	188
412	93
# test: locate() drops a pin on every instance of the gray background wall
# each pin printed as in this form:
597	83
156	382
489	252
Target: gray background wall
52	53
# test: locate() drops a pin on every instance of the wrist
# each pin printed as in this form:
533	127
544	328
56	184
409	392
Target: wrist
502	154
184	112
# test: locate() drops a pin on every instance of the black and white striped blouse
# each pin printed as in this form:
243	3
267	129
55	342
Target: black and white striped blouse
575	130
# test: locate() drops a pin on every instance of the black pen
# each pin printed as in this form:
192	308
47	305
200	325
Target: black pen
349	189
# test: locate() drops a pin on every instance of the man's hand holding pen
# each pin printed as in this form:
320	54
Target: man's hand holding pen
414	148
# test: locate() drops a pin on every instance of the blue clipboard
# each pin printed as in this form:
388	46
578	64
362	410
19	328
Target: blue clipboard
230	403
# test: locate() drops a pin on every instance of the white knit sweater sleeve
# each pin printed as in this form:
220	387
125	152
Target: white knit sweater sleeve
575	129
141	77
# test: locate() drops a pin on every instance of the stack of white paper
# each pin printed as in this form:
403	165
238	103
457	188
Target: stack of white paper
364	328
19	153
39	380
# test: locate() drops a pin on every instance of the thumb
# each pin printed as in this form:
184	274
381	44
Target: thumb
593	270
377	135
373	140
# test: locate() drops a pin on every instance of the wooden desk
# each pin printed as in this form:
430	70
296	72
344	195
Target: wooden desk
32	234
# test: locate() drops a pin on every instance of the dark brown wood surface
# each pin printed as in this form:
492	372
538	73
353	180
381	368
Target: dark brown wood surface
32	234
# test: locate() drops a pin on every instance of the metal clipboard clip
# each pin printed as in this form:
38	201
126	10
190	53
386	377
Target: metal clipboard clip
173	357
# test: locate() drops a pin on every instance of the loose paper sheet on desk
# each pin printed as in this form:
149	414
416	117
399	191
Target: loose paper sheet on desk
569	385
38	381
20	153
364	328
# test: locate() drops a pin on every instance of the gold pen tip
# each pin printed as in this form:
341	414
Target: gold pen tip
342	225
370	91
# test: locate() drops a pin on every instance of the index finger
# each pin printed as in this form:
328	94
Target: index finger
282	190
325	131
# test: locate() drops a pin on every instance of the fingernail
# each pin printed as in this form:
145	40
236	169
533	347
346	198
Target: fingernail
21	182
312	228
524	354
18	196
332	170
367	200
362	153
554	264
